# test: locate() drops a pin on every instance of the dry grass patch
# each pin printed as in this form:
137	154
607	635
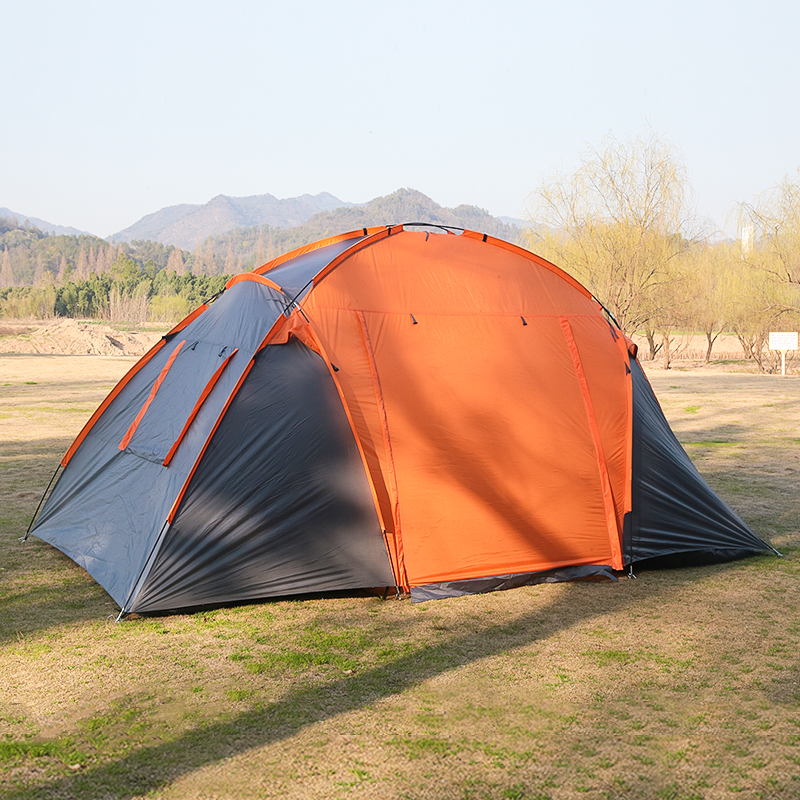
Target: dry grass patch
680	684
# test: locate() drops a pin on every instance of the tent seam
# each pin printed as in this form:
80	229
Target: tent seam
387	444
605	483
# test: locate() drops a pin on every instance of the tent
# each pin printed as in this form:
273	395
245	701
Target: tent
433	410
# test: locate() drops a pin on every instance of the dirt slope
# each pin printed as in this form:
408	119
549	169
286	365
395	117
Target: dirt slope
73	337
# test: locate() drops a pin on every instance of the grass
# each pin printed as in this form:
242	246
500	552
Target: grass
679	684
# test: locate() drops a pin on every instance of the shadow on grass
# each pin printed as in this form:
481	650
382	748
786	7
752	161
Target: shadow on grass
88	392
154	766
40	587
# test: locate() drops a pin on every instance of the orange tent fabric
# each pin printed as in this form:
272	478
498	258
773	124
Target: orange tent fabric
477	379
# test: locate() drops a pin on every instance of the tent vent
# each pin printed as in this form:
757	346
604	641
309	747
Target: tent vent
413	320
523	320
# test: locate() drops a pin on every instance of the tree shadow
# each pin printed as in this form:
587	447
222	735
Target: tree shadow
29	604
82	391
151	767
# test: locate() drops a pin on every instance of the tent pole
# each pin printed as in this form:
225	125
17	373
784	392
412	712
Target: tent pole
146	564
41	501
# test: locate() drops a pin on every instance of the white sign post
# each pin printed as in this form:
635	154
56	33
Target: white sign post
783	341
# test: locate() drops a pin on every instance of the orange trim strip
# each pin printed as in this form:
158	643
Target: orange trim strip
126	380
191	318
205	393
107	402
308	248
387	443
199	458
382	233
251	276
605	482
156	386
276	327
314	344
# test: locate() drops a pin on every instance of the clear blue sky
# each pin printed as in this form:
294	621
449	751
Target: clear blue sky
113	110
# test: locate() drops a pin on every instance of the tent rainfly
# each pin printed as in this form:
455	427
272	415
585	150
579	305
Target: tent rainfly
441	412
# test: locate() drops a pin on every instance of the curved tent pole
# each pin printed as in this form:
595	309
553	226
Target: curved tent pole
136	586
445	228
608	313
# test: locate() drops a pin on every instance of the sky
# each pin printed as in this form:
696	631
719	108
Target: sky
110	111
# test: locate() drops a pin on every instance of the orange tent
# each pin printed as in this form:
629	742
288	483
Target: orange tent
492	423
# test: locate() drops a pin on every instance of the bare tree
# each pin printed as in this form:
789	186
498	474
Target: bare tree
709	289
6	273
771	230
619	224
175	262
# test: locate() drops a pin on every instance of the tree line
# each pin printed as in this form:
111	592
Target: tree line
44	275
624	226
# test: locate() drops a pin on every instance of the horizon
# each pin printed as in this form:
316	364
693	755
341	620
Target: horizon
32	219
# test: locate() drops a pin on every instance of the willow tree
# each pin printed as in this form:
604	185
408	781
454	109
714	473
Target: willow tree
710	300
756	303
620	224
771	231
770	247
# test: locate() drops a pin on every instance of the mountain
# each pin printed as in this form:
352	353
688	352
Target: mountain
151	226
32	257
406	205
515	222
243	249
186	225
42	225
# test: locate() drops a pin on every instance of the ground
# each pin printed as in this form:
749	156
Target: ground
675	684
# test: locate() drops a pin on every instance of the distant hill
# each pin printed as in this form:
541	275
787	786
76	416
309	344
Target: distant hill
32	257
515	222
404	205
243	249
186	225
42	225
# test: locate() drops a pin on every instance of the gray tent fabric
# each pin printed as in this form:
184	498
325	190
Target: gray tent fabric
295	276
438	591
674	510
280	504
107	509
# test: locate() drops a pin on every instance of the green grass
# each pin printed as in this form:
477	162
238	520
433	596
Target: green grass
675	685
61	750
